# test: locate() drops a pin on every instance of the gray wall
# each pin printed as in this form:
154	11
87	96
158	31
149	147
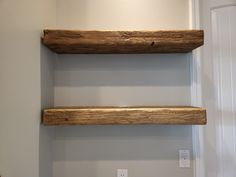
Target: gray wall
121	80
27	77
20	84
99	150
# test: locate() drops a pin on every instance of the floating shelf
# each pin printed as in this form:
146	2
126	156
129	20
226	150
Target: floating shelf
122	42
124	115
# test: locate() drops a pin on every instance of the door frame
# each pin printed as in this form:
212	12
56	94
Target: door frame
196	94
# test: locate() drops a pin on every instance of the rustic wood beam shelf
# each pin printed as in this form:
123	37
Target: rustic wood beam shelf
124	115
122	42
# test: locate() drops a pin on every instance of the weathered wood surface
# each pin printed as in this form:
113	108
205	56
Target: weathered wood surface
124	115
122	42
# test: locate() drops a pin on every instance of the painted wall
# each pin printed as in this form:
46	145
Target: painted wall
27	85
121	80
122	14
20	85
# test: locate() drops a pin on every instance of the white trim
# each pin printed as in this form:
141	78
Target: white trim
196	94
222	6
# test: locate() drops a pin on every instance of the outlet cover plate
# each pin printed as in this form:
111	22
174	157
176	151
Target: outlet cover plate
184	159
122	172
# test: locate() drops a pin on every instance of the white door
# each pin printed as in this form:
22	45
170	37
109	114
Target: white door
218	19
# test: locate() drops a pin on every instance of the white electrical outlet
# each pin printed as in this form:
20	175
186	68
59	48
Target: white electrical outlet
184	159
122	172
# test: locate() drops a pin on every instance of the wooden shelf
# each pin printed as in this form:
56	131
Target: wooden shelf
124	115
122	42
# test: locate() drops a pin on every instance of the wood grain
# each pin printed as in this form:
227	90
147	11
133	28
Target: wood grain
124	115
122	42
